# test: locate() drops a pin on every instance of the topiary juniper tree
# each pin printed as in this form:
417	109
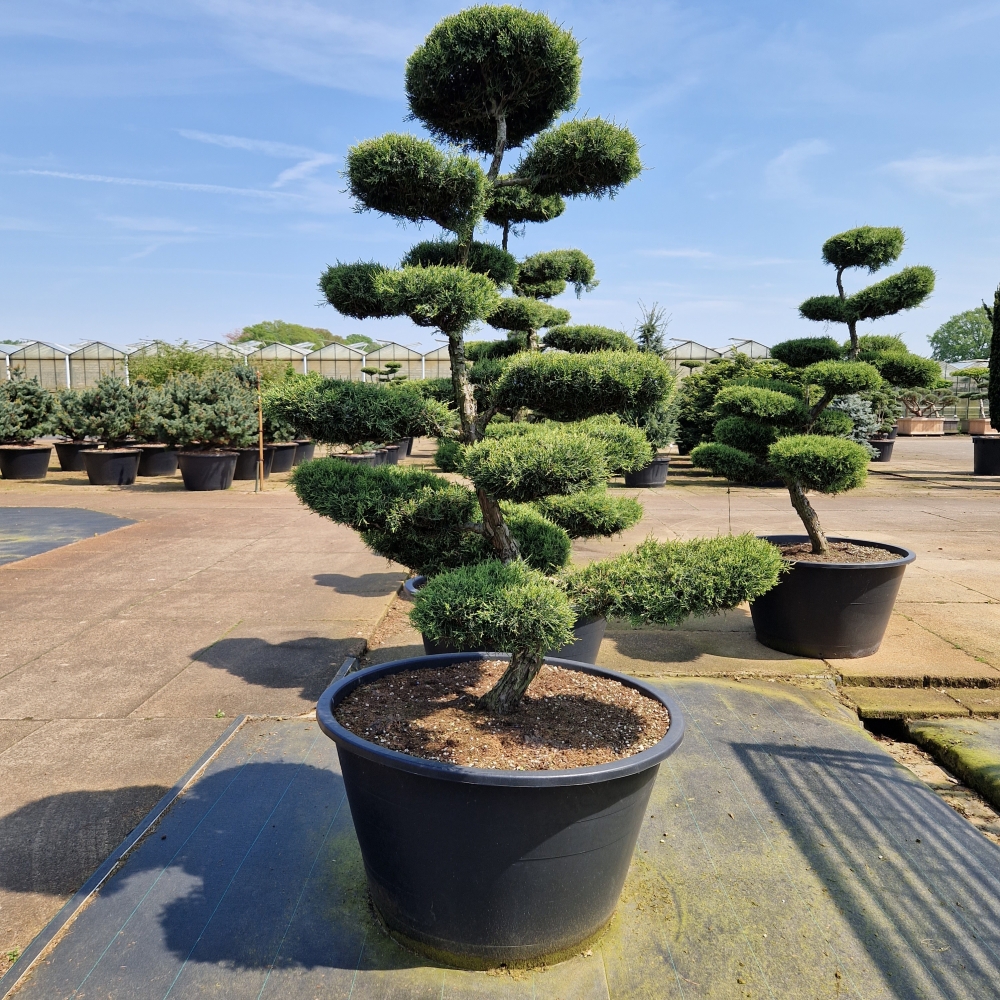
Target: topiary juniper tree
993	315
784	430
870	247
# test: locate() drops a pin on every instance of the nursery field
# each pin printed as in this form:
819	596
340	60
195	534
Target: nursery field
127	653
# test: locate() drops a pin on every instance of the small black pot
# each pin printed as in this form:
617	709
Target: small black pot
829	610
70	454
25	461
589	634
480	867
894	432
884	448
207	470
304	451
392	454
284	456
654	474
986	455
381	456
111	466
405	446
247	459
157	460
368	458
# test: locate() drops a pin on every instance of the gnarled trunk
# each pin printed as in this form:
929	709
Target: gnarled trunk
495	528
805	511
465	400
507	693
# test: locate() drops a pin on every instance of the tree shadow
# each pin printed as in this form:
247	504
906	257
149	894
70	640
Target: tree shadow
925	909
308	663
366	585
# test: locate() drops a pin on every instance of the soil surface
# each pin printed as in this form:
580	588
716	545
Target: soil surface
840	552
567	718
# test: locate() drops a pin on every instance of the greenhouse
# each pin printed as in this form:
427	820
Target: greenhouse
437	364
412	362
336	361
291	353
46	362
89	362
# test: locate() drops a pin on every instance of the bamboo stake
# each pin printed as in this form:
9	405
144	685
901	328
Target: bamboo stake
259	485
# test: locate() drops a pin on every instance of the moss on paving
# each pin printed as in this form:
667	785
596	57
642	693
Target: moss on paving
969	748
901	703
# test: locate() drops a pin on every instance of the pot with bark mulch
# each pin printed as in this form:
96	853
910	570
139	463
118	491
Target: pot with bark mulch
883	446
112	466
652	475
247	459
24	461
207	470
511	846
157	460
70	454
986	455
284	456
831	610
304	451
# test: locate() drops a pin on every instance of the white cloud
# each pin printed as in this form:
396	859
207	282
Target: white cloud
955	178
163	185
783	174
689	253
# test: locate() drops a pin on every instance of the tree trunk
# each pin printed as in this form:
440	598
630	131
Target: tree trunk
533	340
506	233
495	528
465	400
507	693
993	389
805	511
852	329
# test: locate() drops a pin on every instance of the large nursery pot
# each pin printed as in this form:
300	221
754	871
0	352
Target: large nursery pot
480	867
304	451
70	454
920	426
884	448
654	474
247	459
830	610
284	456
986	455
112	466
157	460
24	461
207	470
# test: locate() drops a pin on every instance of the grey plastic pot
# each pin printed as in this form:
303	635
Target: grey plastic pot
304	451
405	446
654	474
830	610
392	454
157	460
207	470
986	455
480	867
70	454
284	456
112	466
25	461
247	459
381	456
368	458
884	448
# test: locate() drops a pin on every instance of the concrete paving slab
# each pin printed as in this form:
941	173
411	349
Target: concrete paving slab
785	855
912	656
12	731
901	703
973	628
653	652
922	585
72	790
979	701
969	749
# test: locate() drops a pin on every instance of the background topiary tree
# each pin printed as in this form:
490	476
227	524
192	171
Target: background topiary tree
870	247
993	315
27	411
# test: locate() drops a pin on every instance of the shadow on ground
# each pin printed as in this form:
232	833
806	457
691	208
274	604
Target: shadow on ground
308	664
366	585
54	844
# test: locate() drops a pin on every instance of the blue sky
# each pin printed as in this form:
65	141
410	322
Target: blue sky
172	170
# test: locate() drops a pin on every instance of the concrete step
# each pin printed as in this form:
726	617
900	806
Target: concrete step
969	748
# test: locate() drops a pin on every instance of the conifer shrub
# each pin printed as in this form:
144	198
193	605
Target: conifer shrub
109	410
27	410
807	350
214	411
587	339
448	455
591	513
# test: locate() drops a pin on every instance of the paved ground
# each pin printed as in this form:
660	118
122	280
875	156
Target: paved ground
133	650
785	856
126	654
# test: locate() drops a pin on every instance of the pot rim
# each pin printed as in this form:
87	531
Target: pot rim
906	555
208	452
592	774
25	447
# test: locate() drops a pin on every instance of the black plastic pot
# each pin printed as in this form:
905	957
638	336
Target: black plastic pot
304	451
392	454
157	460
480	867
405	446
247	459
70	454
24	461
884	448
284	456
111	466
368	458
207	470
894	432
584	649
654	474
381	456
830	610
986	455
